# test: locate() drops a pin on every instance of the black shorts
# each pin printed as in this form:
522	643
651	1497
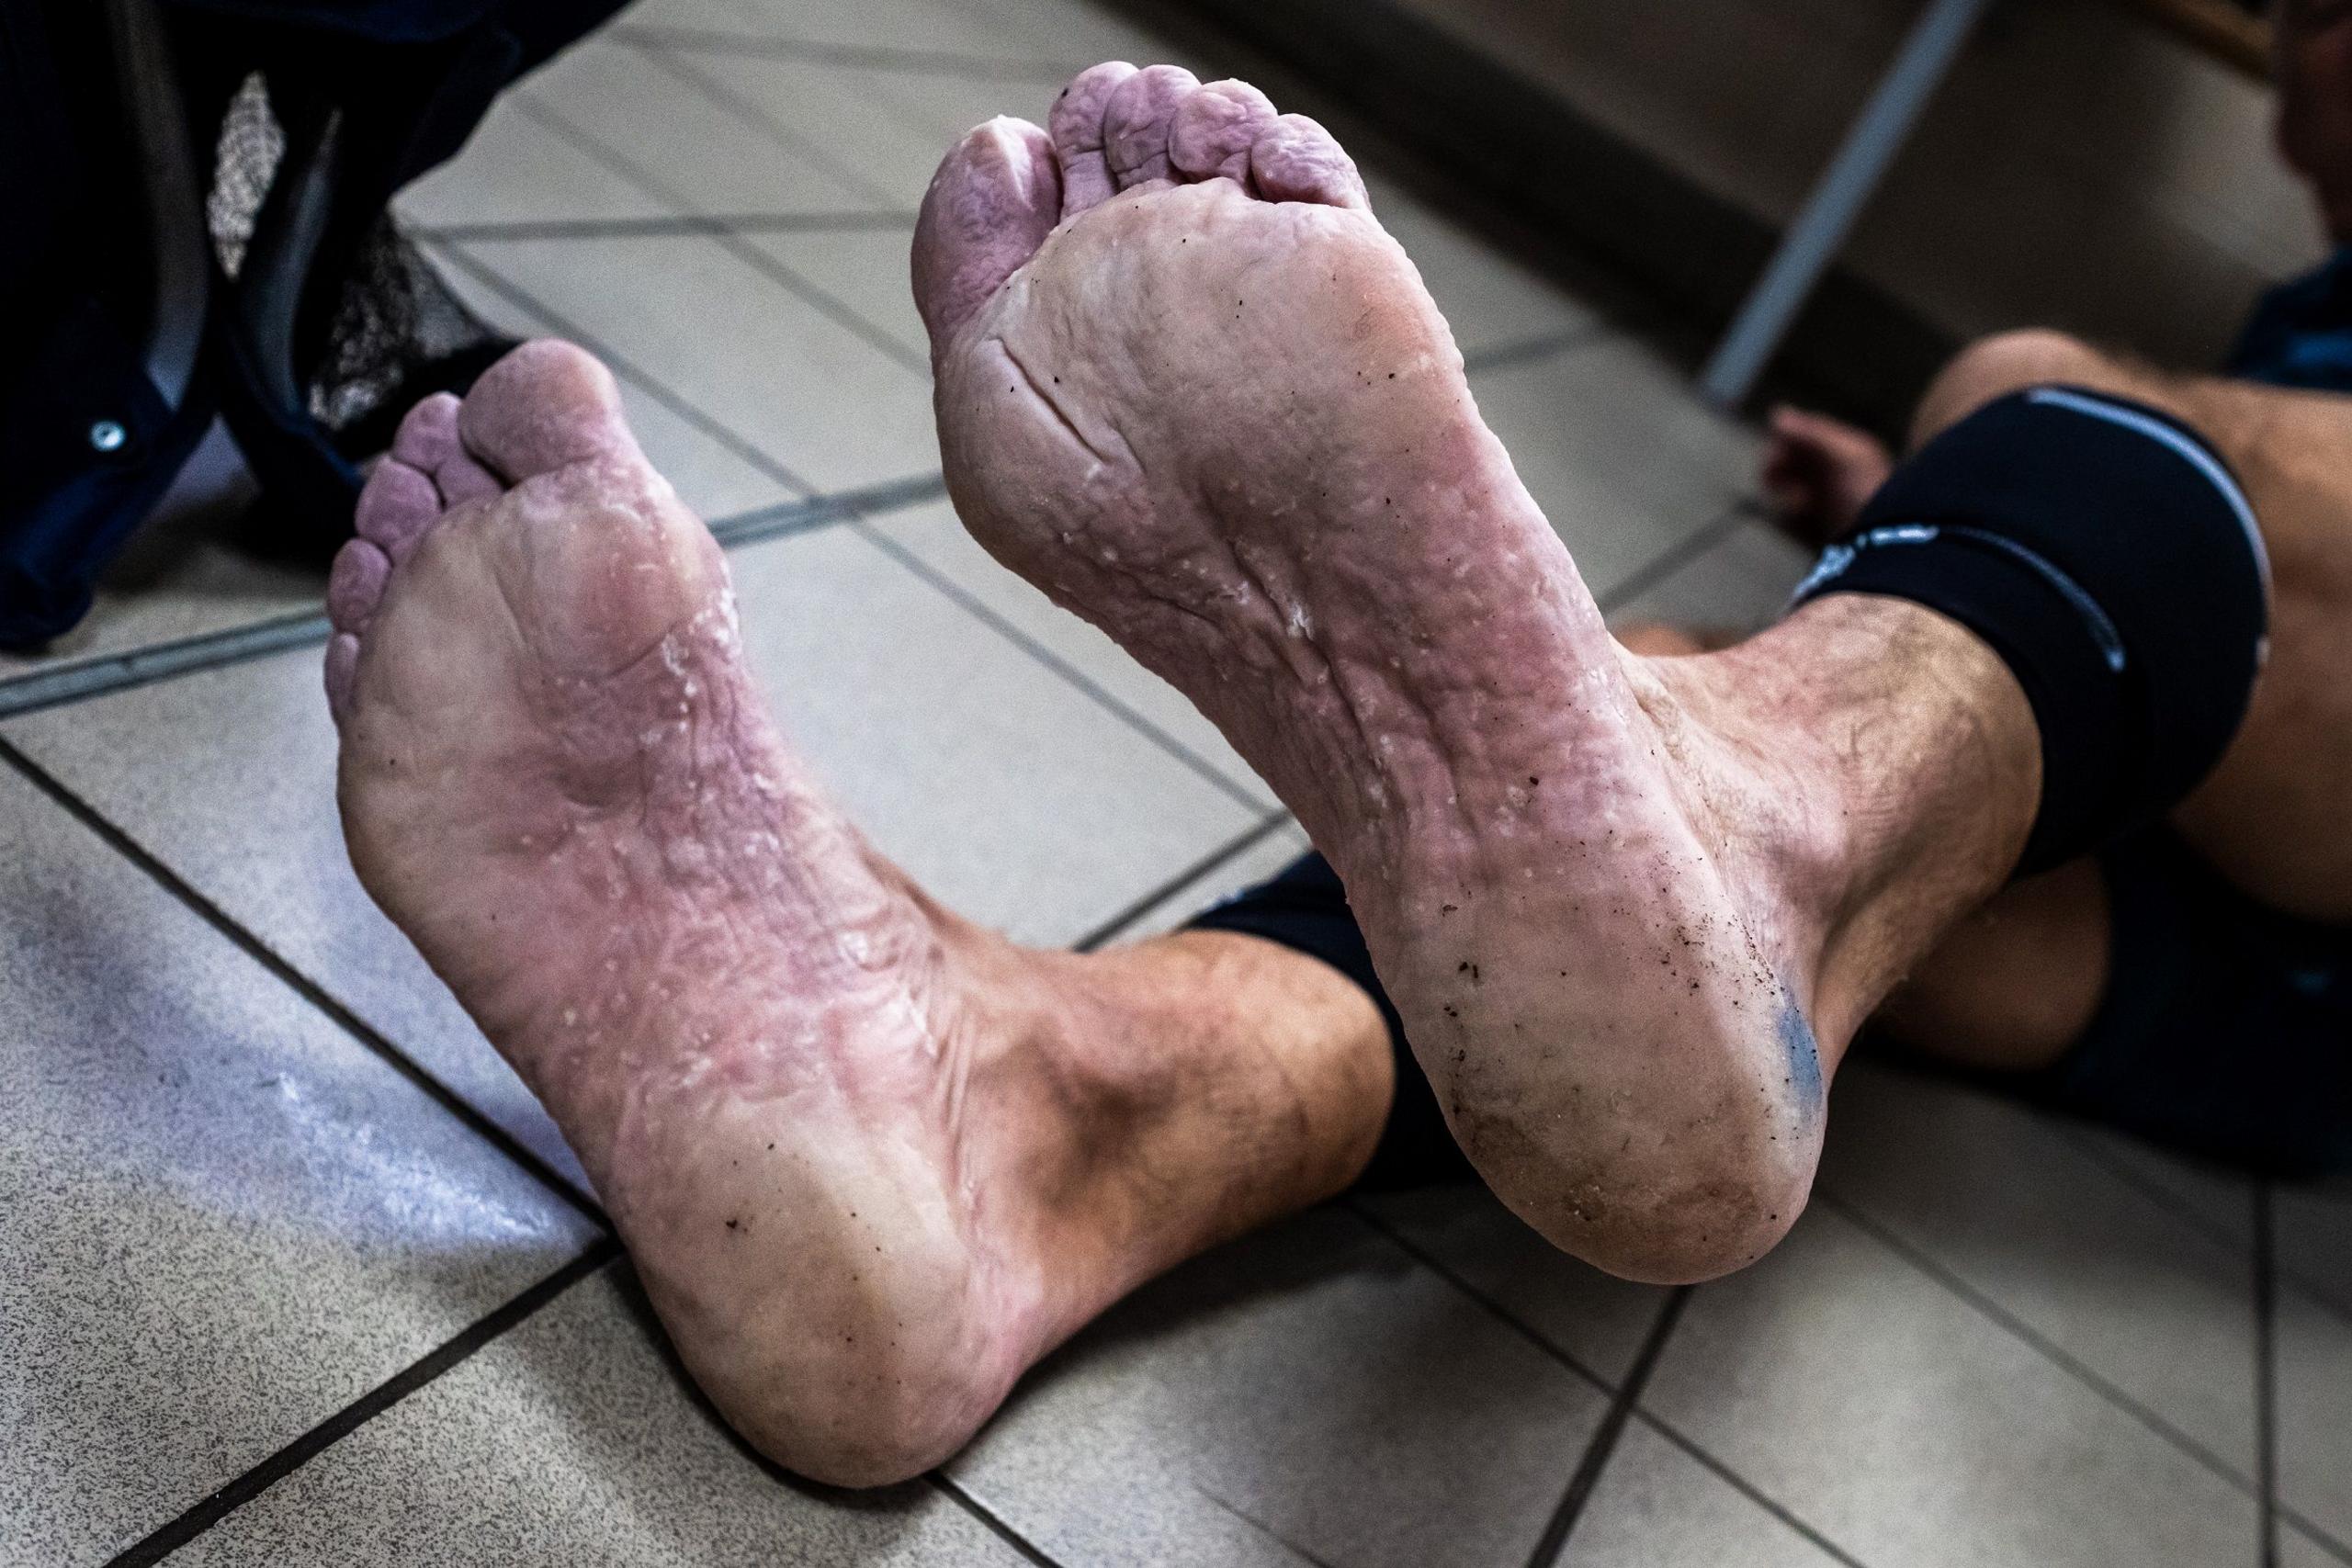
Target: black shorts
2226	1029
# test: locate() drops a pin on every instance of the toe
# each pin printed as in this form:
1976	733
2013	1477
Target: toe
547	404
992	203
398	506
1213	130
1297	160
1135	121
1077	127
355	584
342	673
428	440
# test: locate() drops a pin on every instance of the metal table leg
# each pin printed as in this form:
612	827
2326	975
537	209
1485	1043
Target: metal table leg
1821	226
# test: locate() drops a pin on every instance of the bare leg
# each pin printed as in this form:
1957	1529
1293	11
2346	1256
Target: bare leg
871	1161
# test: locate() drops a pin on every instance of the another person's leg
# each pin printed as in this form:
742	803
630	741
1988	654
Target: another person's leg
870	1161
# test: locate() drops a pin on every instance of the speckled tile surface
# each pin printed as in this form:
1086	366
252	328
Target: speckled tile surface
224	1217
1309	1393
1996	1341
573	1439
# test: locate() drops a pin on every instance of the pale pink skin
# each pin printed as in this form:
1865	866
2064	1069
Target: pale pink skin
870	1161
1631	911
873	1162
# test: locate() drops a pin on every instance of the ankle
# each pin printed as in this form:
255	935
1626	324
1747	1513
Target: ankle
1909	770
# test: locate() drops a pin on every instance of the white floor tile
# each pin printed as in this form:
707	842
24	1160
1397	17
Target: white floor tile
1658	1508
865	269
2314	1395
716	477
1490	299
570	1440
811	394
2002	1199
1900	1423
1737	585
659	131
934	535
1306	1394
516	168
1598	1321
1618	451
226	1218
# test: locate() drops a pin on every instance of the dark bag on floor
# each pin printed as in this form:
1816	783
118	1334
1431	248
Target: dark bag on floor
196	192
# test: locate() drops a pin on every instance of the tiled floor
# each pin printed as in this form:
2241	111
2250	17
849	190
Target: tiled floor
293	1271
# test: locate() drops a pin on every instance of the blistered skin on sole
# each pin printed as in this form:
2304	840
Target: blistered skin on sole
556	779
1222	420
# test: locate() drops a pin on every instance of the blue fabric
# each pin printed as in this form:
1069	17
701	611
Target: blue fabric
2301	332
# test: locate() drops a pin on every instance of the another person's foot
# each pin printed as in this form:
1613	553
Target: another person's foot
1819	473
1189	387
870	1161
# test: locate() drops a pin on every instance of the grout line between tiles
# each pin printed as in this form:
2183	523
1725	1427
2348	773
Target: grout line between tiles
1657	1424
732	104
85	678
1744	1487
211	1510
2316	1536
669	226
869	57
1232	849
1260	1529
496	282
2034	1339
1673	558
2265	1370
947	586
105	674
1526	351
2187	1213
253	947
989	1519
1554	1542
1491	1306
750	255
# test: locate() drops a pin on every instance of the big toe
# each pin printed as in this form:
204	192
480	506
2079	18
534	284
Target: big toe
545	405
989	207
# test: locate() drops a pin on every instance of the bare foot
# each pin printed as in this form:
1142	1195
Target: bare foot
870	1161
1189	387
1820	472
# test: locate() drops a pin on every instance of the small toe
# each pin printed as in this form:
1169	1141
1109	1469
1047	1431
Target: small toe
398	506
342	673
547	404
1077	128
1135	122
1297	160
356	584
429	434
1213	130
989	207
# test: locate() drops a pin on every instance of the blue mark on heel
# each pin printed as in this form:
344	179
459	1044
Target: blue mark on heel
1804	1055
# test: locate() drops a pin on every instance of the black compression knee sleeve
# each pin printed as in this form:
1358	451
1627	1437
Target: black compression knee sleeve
2111	559
1306	909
